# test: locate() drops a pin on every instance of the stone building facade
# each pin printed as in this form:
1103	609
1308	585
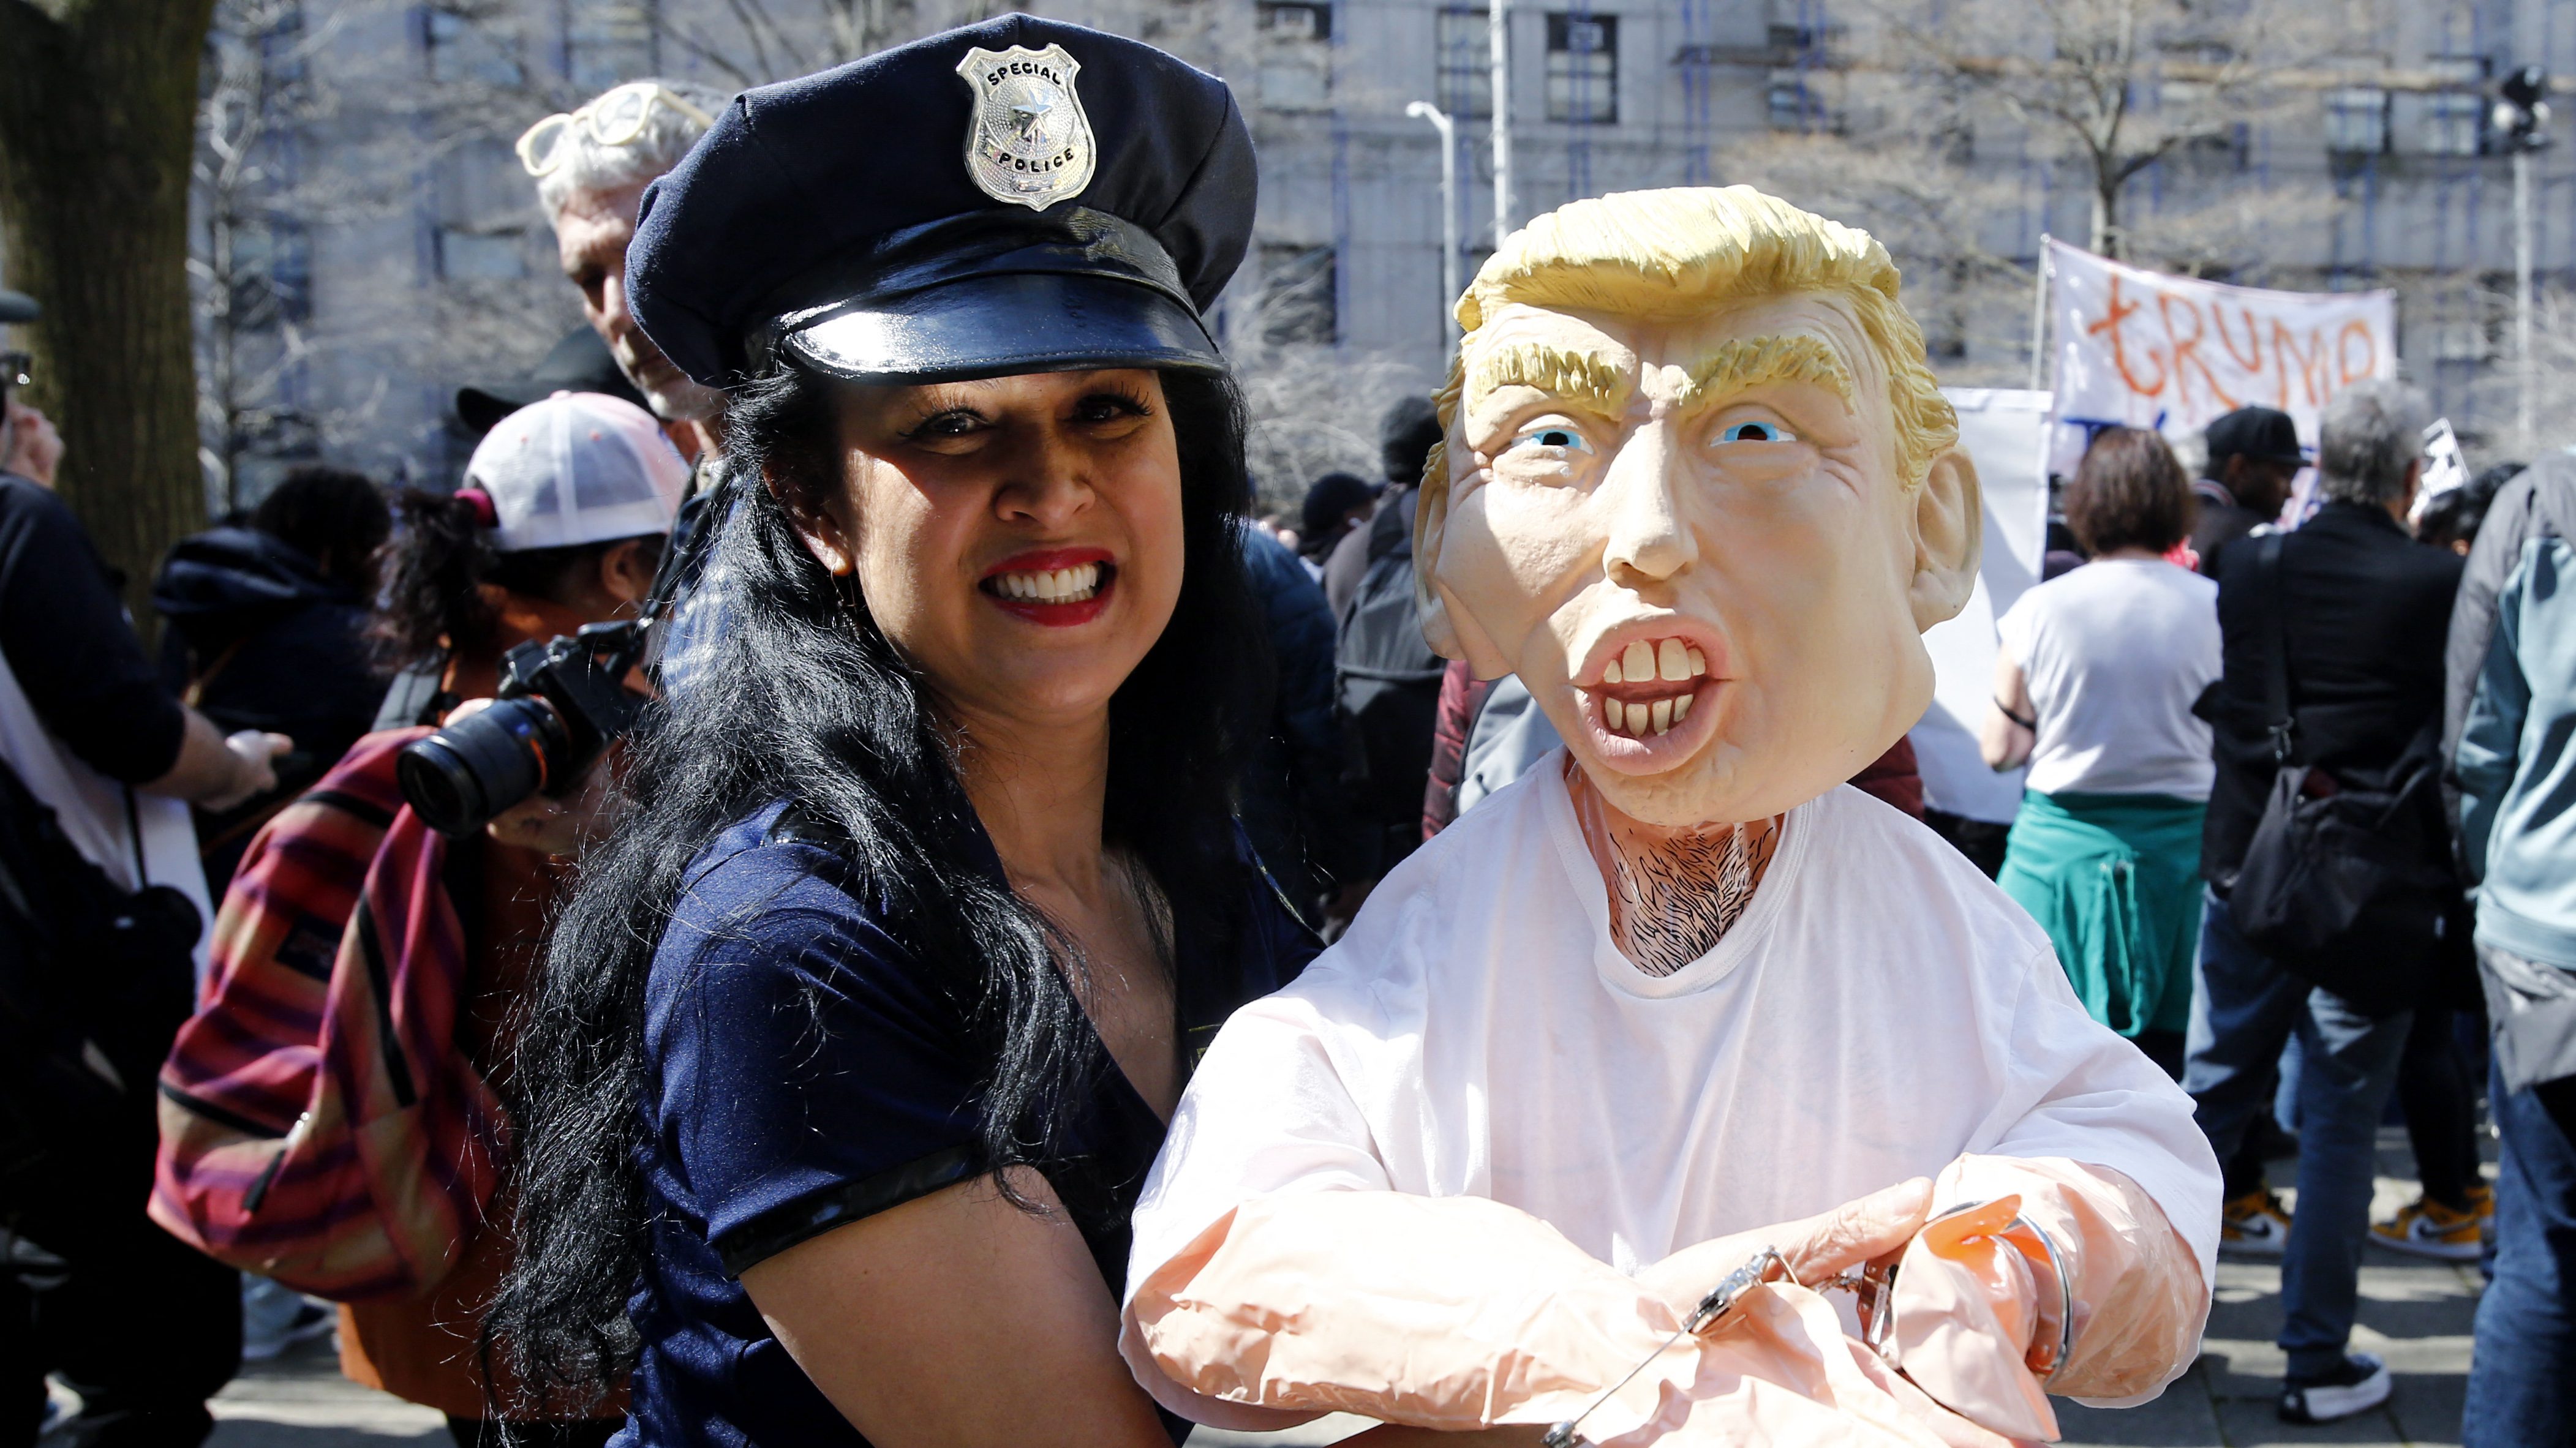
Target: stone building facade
396	250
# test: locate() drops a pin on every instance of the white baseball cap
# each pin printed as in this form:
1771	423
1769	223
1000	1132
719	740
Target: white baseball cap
579	467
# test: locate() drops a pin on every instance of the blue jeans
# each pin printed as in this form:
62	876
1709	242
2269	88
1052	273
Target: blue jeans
2244	1011
2522	1375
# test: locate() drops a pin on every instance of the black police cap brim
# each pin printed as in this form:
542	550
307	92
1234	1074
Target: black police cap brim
1006	326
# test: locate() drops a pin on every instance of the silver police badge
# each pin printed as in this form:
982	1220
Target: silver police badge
1029	141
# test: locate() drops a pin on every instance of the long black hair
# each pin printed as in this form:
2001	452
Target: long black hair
435	569
805	699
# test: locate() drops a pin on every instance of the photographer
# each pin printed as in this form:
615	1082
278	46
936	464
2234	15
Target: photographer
98	931
560	524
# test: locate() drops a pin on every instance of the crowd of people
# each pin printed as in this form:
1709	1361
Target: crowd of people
773	1077
2176	699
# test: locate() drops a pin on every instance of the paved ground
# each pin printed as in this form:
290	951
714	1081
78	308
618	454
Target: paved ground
2415	1314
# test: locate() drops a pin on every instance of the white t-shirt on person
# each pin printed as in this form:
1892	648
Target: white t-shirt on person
2115	653
1879	1009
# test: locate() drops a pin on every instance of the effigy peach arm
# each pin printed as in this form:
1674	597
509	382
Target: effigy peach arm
2107	1309
1448	1313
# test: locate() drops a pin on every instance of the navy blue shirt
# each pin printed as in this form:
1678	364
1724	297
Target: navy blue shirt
804	1069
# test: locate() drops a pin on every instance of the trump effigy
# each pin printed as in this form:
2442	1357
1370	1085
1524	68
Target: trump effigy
1680	1093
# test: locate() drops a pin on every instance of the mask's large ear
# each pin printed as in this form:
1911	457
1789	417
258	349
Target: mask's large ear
1449	628
1949	538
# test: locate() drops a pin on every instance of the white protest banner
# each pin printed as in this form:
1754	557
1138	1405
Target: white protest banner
2003	432
2142	349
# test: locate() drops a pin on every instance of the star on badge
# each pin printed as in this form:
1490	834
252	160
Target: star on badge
1028	142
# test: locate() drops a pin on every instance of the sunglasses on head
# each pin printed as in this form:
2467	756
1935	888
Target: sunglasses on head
614	119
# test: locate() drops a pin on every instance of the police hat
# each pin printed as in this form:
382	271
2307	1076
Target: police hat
1017	196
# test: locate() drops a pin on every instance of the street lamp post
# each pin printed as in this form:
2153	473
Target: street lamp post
2520	113
1498	34
1439	119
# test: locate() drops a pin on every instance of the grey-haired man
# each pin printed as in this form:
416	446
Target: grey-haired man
2365	612
592	165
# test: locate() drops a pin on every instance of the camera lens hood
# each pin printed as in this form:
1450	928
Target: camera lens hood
457	779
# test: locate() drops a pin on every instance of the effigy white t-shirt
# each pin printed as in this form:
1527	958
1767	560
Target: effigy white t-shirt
2116	652
1880	1009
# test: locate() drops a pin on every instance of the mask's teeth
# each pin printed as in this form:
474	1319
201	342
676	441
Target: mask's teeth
1681	707
1638	661
1672	660
1663	715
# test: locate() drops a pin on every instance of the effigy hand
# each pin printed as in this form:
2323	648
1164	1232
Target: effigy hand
1811	1249
2093	1296
1778	1372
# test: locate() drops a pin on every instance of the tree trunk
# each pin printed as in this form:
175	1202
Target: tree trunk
98	104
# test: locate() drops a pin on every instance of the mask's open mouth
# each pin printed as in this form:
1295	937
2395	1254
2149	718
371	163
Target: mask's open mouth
1650	687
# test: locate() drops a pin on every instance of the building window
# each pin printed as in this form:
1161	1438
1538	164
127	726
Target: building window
607	43
271	274
1794	106
1466	63
1583	69
1300	301
480	256
2454	124
463	48
2357	121
1296	56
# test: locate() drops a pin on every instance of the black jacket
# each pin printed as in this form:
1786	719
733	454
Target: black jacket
2221	521
270	644
2369	615
65	636
1293	807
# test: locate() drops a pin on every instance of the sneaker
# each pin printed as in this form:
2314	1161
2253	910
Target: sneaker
311	1320
2428	1229
2256	1225
2358	1386
2482	1201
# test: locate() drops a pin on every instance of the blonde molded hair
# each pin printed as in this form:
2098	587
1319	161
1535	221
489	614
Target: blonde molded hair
1694	249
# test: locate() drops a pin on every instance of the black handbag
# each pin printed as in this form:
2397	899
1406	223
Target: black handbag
2345	883
94	982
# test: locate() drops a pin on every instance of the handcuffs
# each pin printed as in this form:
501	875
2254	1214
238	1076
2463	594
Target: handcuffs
1874	1289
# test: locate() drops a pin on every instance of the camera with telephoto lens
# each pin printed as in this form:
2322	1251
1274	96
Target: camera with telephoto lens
560	703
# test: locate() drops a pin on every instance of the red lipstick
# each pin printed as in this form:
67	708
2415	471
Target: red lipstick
1021	585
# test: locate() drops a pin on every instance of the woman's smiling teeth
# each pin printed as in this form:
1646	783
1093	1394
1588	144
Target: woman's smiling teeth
1058	585
1643	664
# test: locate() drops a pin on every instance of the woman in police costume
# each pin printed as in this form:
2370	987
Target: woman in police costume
855	1045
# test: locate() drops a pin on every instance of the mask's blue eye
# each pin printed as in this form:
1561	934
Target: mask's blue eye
1756	432
1553	435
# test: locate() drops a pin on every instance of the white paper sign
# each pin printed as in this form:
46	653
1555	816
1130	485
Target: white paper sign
2004	433
2142	349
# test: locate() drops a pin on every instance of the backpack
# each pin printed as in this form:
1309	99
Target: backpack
1386	688
319	1124
93	981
